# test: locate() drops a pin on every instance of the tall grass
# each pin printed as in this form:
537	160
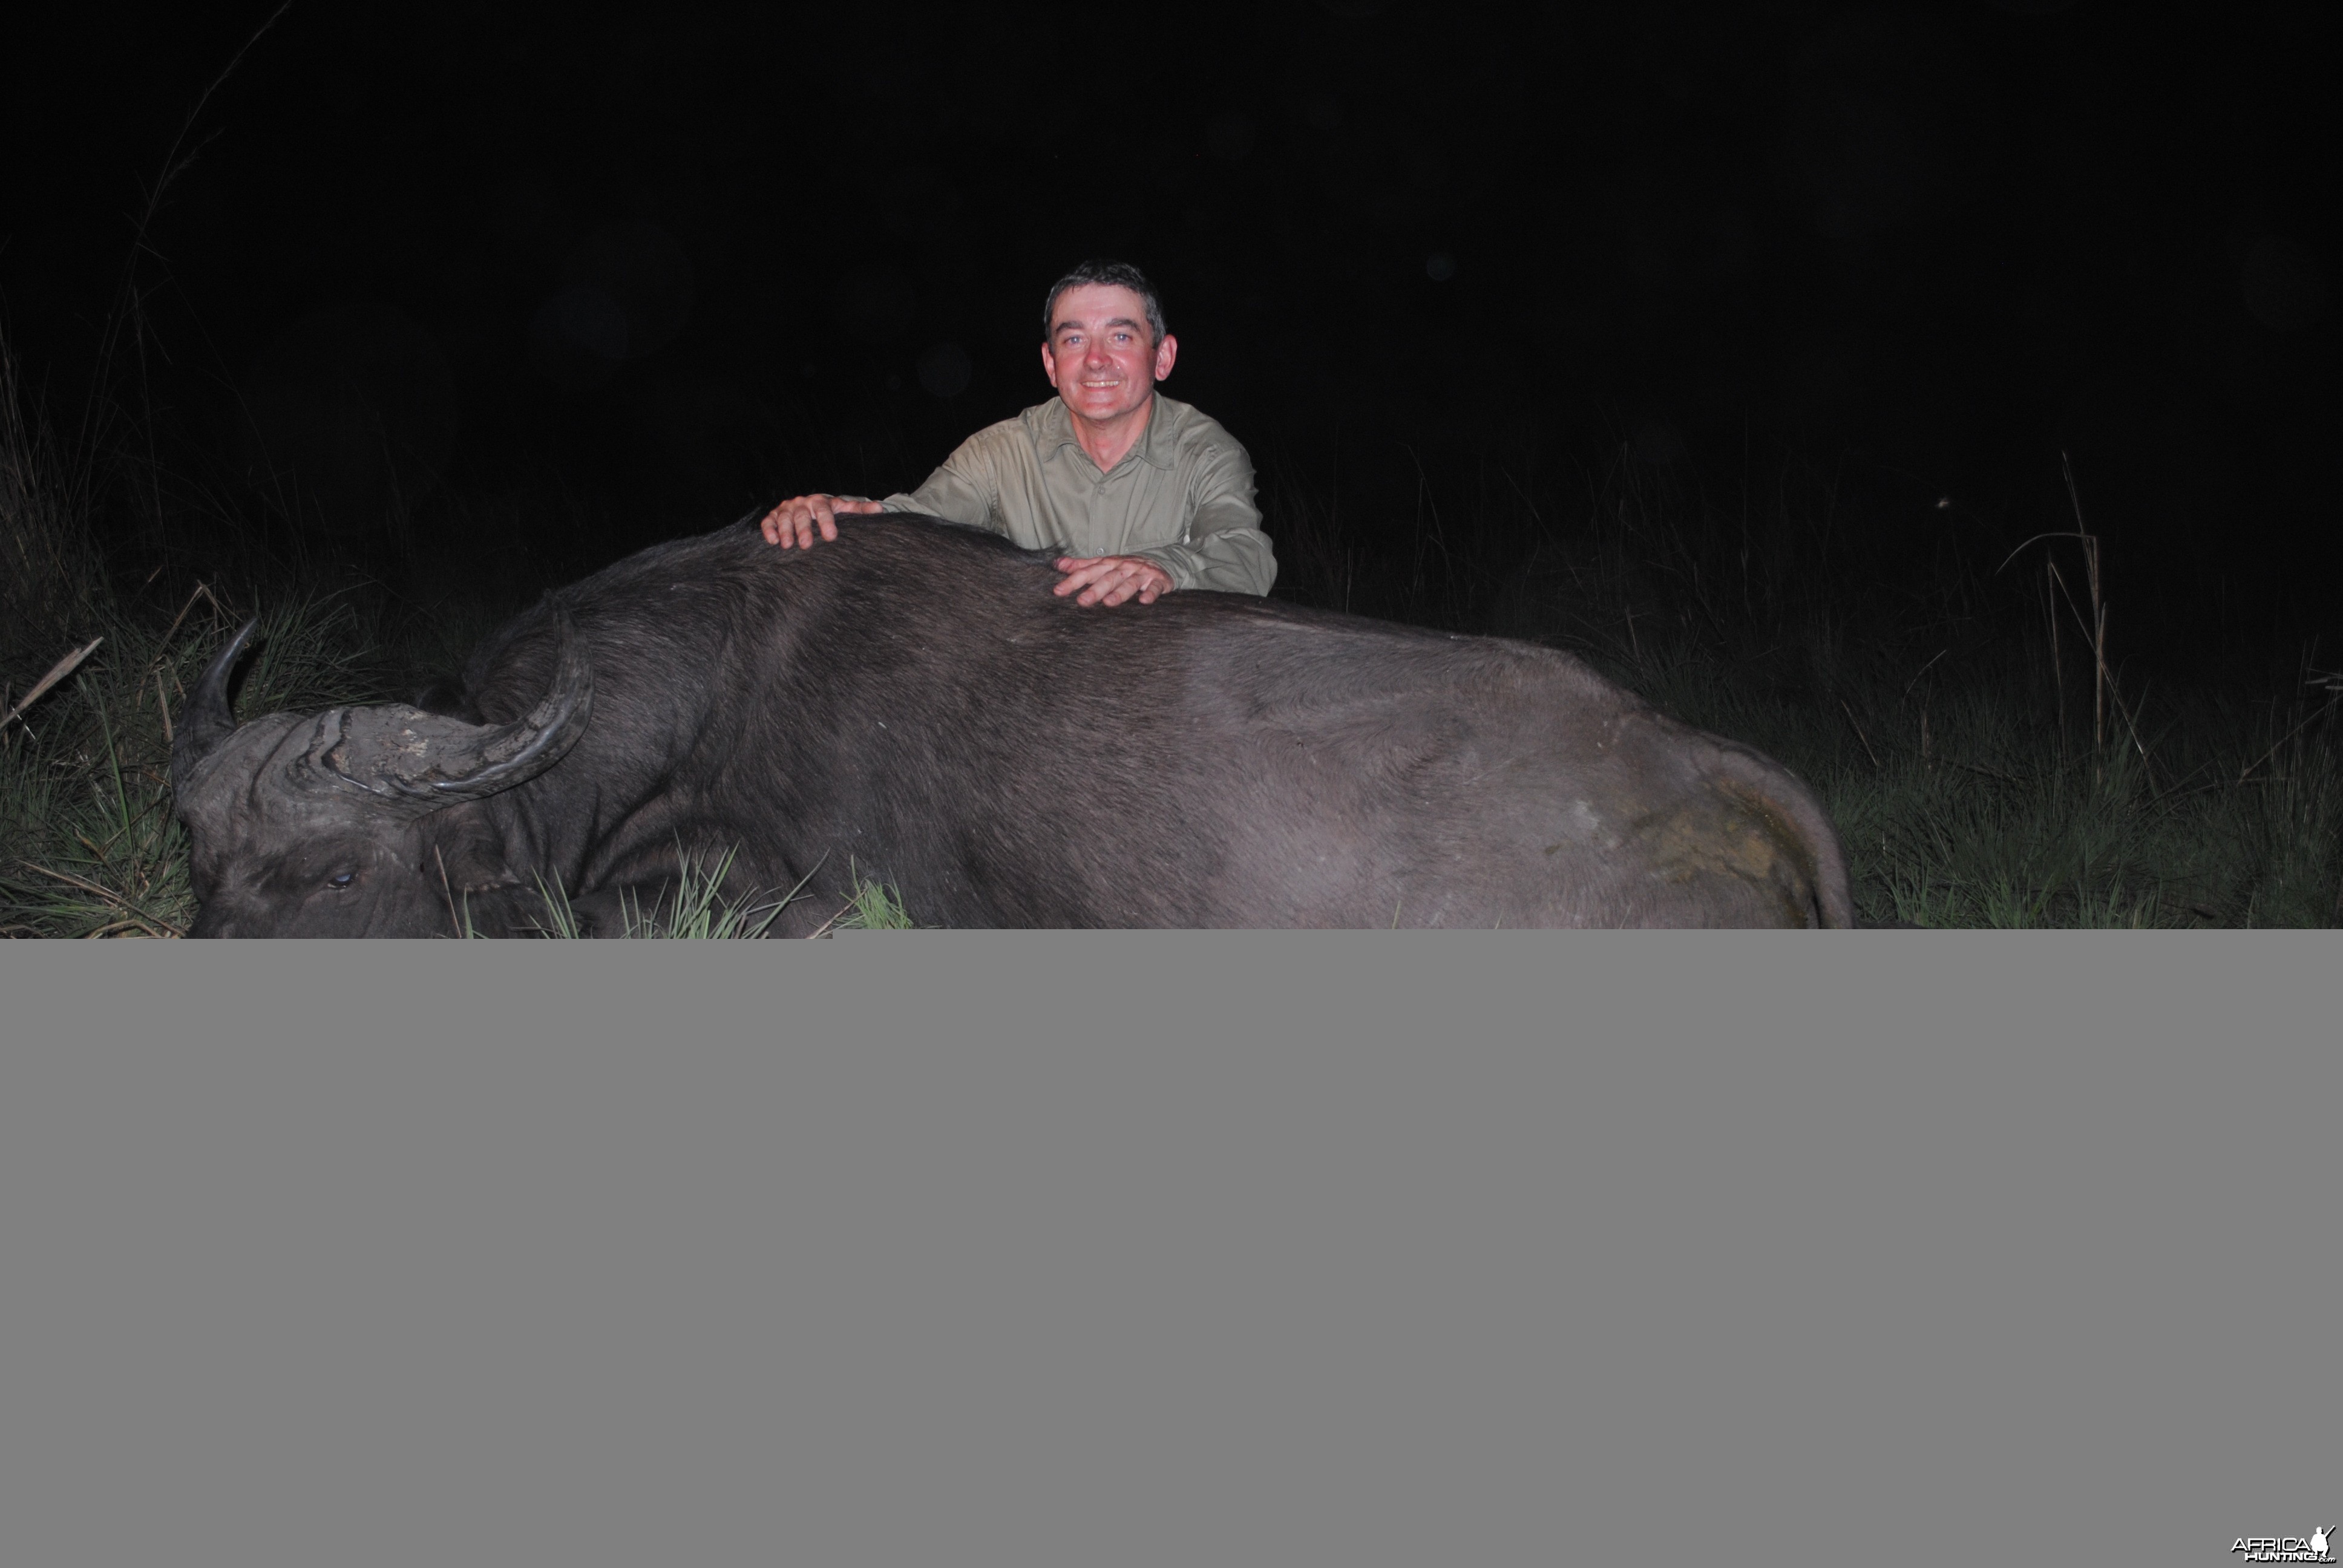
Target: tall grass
1960	805
52	585
1962	709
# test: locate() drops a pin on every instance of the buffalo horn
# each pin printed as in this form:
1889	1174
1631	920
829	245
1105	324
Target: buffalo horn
207	720
413	761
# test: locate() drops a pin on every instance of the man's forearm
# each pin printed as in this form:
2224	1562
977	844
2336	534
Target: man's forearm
1232	560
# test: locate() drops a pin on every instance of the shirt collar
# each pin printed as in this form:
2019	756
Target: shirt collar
1159	443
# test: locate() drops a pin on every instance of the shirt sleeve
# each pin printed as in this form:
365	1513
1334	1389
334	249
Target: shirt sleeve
1223	546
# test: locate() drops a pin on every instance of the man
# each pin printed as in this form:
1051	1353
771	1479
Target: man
1145	495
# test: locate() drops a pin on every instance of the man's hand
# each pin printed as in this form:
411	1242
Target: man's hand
794	520
1111	579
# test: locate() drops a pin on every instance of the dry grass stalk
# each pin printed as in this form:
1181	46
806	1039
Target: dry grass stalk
2103	690
2058	671
57	673
2273	751
1859	735
822	930
2098	626
163	648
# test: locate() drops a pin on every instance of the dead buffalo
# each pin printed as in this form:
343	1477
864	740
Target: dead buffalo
912	702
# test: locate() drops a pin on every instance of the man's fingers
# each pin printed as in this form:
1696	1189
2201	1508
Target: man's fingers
794	523
1113	588
1111	579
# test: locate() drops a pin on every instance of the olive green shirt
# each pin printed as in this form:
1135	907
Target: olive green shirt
1182	498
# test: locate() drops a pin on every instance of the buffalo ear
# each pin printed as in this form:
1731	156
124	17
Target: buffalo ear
471	860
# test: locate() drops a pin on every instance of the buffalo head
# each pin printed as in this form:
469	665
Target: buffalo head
337	823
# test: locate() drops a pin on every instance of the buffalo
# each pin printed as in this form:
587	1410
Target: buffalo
913	703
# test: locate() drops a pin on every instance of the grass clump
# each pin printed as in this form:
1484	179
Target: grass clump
95	851
876	907
697	909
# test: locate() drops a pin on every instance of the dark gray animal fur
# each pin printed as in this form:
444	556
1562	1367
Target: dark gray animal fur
912	702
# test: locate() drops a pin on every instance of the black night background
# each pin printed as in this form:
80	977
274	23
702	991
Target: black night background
1741	348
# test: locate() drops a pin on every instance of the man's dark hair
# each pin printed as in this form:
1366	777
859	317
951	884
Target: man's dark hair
1122	275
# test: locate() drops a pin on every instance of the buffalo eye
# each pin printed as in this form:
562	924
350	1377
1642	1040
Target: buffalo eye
341	879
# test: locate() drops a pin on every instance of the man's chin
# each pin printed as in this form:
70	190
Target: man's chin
1100	410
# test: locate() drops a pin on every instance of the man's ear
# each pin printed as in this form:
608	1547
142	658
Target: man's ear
1049	364
1165	353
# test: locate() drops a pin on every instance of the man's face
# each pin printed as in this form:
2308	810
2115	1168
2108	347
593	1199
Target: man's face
1099	355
